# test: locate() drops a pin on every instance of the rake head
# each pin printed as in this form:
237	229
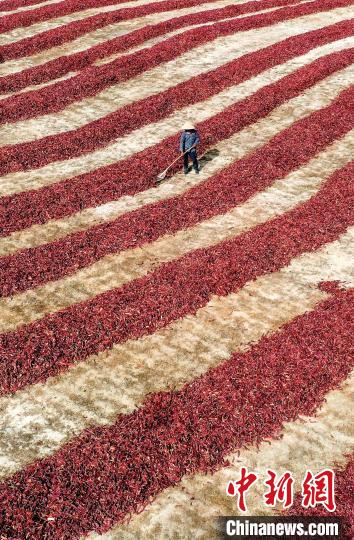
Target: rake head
161	176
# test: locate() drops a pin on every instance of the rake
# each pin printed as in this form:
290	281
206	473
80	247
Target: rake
162	175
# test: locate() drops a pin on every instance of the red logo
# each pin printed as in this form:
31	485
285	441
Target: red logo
240	488
315	489
280	489
319	489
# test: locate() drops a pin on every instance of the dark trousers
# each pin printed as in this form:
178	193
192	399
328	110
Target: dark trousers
192	154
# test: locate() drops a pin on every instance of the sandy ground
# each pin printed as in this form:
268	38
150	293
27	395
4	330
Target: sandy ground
190	510
101	35
38	420
199	60
20	33
116	381
214	159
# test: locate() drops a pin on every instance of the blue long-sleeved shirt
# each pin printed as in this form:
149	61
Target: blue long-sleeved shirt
188	139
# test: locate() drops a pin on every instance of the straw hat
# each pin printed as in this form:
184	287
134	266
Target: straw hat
188	125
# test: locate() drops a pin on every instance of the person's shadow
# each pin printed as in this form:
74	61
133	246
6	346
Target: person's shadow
208	156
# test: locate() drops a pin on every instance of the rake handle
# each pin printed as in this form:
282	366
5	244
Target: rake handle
183	153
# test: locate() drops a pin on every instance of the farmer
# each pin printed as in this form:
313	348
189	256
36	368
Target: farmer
188	144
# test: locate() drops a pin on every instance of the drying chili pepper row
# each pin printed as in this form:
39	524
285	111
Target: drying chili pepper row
109	472
58	36
110	182
92	80
233	185
74	62
9	5
36	351
60	9
100	132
